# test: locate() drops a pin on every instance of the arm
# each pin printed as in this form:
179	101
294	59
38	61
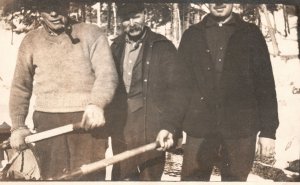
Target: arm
105	71
173	96
20	94
264	87
106	81
266	96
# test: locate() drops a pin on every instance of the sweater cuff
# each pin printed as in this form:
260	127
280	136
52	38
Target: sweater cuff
18	121
101	105
270	133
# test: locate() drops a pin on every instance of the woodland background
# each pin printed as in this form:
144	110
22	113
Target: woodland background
279	24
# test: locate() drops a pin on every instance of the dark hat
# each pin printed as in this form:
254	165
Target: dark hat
48	4
125	10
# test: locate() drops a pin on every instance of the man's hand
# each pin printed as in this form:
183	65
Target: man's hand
17	138
93	117
266	148
165	139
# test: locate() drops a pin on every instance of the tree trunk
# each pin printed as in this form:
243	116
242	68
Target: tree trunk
188	17
298	26
179	26
286	21
89	13
108	17
271	30
99	14
175	23
114	8
83	13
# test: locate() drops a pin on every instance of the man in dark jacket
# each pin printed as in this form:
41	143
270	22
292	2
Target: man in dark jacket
148	102
232	96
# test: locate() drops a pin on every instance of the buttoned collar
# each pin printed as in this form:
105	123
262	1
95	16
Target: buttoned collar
230	21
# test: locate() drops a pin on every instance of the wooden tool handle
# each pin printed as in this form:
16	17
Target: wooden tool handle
49	133
45	135
88	168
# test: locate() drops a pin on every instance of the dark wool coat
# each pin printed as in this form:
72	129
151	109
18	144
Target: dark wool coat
162	99
247	85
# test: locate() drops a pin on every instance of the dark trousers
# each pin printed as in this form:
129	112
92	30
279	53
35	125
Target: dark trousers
67	152
150	170
148	166
233	157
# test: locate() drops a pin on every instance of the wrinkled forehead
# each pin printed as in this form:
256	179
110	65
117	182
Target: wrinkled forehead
131	16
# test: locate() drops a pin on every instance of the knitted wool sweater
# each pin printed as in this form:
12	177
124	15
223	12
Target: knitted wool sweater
64	76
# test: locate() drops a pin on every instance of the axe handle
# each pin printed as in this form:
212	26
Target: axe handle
45	134
88	168
50	133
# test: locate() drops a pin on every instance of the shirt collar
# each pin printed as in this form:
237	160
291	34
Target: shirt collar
212	22
136	44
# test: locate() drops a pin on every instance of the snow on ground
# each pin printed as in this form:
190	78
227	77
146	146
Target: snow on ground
286	72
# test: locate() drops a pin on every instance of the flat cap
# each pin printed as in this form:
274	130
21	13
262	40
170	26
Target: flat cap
125	10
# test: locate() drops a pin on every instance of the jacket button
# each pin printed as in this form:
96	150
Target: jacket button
208	69
202	98
207	50
147	62
145	80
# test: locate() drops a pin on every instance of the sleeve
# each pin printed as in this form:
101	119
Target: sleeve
175	89
264	87
21	88
105	72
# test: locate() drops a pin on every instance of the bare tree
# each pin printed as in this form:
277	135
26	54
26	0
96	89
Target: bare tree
109	16
98	7
176	25
114	9
271	30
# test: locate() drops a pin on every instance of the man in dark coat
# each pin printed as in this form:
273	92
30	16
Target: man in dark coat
232	96
148	104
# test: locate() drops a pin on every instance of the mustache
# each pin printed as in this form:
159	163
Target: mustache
135	28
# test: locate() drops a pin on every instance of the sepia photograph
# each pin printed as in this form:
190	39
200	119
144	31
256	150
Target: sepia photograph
143	91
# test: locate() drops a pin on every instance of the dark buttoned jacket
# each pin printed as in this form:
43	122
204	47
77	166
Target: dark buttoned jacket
246	94
157	87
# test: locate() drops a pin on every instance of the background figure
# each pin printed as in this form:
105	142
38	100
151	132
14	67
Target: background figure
149	101
232	96
70	69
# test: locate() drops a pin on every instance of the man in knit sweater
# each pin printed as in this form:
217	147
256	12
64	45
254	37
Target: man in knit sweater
70	69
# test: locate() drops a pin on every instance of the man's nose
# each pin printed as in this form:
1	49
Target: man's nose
131	22
53	13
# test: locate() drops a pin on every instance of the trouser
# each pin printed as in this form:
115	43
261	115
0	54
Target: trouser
233	157
67	152
150	170
148	166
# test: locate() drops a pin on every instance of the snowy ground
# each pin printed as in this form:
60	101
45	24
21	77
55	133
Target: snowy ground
287	77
